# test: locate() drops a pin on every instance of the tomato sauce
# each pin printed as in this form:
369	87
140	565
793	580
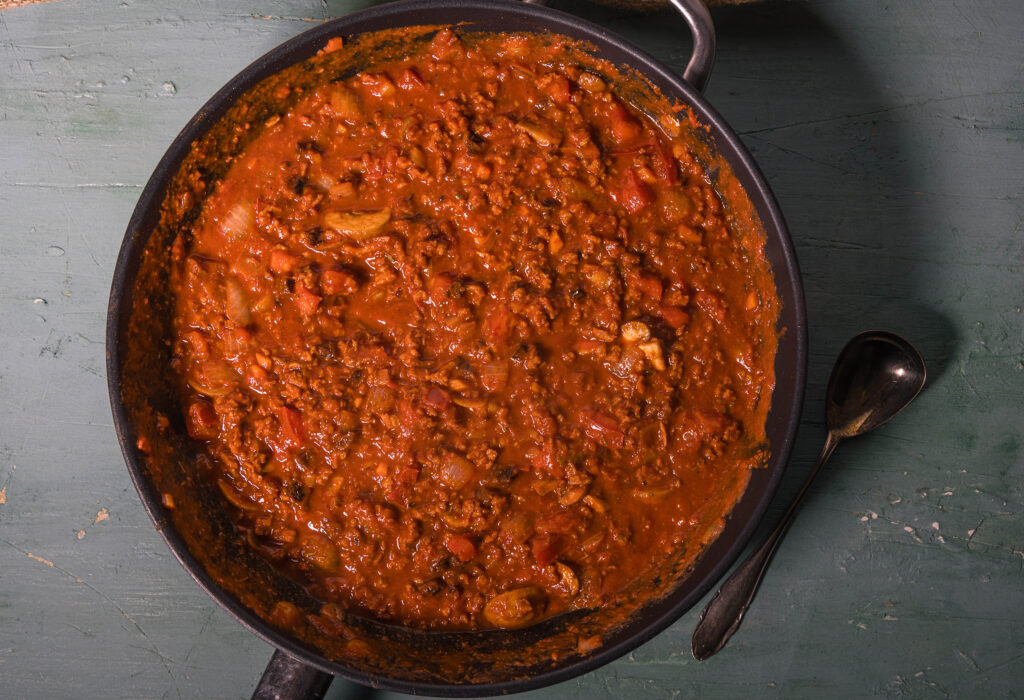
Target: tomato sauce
468	340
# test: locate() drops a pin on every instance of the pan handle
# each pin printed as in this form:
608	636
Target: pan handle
286	678
696	14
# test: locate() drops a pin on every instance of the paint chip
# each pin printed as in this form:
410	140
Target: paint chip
3	495
40	559
935	526
80	534
101	515
908	529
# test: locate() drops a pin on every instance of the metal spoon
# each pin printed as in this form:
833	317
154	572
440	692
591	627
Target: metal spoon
875	376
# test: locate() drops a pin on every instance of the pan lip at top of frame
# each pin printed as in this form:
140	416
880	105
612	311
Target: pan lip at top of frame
400	14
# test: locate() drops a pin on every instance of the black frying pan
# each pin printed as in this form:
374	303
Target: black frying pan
192	519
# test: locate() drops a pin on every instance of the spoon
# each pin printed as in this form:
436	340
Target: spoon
875	376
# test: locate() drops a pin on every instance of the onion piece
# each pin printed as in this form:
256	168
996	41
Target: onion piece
239	221
236	302
494	375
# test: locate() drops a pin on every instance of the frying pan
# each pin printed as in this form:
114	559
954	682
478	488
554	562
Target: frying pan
315	646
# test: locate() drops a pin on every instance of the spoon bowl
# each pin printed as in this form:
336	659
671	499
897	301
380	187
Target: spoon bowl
875	376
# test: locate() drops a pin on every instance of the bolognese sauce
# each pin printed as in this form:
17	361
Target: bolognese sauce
467	339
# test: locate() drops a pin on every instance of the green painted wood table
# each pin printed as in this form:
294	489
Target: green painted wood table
891	133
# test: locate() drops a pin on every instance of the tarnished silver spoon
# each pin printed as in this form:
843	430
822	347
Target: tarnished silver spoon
875	376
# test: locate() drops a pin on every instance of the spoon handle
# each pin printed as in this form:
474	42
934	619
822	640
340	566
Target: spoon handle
722	615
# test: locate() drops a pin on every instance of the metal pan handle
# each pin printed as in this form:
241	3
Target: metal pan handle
289	679
696	14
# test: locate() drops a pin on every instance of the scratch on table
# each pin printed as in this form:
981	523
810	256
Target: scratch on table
165	660
968	660
286	18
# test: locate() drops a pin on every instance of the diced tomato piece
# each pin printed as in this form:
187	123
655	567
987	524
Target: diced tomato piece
438	287
601	428
281	261
201	421
438	398
650	286
379	85
558	89
445	43
410	416
546	548
561	522
588	347
338	282
197	342
624	126
461	546
633	193
544	459
711	304
248	270
399	495
674	316
496	325
409	79
408	475
690	428
305	299
292	427
710	422
663	163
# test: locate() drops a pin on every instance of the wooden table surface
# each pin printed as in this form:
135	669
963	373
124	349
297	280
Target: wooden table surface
891	133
